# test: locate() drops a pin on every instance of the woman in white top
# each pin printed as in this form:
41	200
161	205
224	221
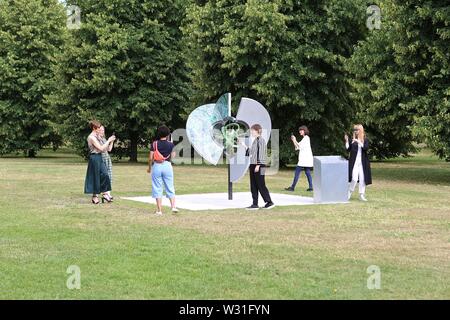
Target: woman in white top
305	158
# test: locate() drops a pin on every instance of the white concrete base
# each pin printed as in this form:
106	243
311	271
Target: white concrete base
219	201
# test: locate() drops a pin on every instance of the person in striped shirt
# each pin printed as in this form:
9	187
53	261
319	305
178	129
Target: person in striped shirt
258	160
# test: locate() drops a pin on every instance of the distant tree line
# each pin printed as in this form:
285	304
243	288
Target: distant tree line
135	64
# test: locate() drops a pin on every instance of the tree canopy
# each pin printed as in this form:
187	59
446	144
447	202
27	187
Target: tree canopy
137	64
124	67
31	35
402	82
289	55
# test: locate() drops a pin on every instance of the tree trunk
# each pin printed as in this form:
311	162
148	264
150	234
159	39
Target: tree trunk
134	147
31	153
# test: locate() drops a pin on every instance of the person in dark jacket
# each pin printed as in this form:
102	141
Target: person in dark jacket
258	160
359	164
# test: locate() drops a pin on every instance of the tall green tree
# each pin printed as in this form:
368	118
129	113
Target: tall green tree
289	55
124	66
402	77
31	35
378	91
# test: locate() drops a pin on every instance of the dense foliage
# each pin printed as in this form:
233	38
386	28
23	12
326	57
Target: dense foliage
124	67
31	35
289	55
136	64
402	77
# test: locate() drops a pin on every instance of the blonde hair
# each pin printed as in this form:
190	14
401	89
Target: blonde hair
361	133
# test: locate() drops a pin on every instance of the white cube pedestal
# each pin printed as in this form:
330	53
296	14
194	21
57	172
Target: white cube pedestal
330	179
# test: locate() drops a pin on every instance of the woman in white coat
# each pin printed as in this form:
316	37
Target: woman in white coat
305	158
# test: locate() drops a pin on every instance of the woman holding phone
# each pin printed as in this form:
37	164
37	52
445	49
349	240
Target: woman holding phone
105	155
97	179
305	158
359	164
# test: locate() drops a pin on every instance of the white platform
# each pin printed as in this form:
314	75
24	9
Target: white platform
219	201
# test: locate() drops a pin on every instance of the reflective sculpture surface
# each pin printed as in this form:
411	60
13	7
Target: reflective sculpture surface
213	131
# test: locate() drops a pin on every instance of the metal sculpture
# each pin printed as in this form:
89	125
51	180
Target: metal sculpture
214	133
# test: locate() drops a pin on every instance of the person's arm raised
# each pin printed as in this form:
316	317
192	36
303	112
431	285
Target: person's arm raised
98	146
361	144
111	145
347	144
365	145
295	142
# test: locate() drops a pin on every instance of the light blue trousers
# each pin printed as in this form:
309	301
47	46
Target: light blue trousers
162	178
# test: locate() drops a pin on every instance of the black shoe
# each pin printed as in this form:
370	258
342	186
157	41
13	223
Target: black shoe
309	189
106	198
289	189
269	205
252	207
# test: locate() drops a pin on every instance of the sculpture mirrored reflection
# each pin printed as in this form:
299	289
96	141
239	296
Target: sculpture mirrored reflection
199	128
213	131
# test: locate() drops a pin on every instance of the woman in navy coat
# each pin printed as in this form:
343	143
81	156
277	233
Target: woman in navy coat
359	164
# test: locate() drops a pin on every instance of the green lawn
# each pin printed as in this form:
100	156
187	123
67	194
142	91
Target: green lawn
311	252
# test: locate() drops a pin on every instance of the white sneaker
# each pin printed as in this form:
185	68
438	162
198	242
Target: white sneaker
362	197
158	213
349	195
175	210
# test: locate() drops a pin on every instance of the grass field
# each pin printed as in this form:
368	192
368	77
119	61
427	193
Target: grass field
124	252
